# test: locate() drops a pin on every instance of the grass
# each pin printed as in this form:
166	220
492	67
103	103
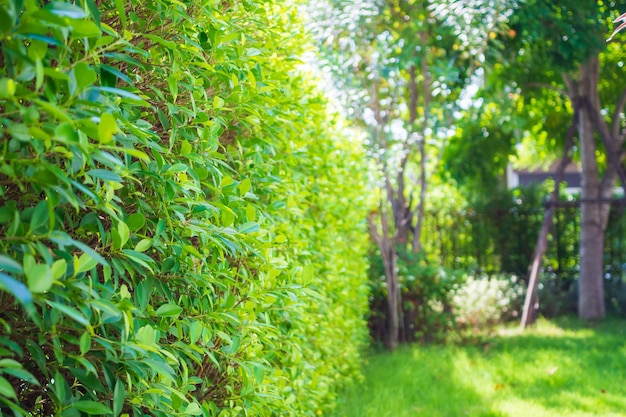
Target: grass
556	369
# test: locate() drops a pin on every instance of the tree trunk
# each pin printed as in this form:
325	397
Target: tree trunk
417	233
387	244
590	283
393	298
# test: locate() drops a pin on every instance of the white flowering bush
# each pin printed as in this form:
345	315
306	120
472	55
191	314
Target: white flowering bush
482	301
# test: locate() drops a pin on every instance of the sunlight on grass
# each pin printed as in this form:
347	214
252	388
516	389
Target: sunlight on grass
556	369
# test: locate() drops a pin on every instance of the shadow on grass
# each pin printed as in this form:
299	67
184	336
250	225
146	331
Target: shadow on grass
413	382
557	369
564	367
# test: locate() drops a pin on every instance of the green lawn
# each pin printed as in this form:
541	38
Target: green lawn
556	369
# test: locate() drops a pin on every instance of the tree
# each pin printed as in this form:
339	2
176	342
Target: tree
560	46
401	70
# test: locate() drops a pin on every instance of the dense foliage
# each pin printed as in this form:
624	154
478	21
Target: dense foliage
179	228
426	293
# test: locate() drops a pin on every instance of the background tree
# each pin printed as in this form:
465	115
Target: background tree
555	59
561	47
400	70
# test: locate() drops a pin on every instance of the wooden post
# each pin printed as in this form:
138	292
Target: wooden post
528	316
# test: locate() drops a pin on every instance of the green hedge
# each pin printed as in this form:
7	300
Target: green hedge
181	232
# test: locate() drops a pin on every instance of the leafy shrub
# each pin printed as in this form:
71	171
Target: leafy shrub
426	293
483	301
179	228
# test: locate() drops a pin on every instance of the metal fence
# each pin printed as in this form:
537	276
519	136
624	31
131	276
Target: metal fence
503	241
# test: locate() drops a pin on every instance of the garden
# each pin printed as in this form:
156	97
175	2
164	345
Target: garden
312	207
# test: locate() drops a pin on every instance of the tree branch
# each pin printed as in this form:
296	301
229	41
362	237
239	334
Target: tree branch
571	86
615	121
373	231
612	150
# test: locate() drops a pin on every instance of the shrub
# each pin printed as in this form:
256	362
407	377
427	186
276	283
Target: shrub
179	228
426	293
483	301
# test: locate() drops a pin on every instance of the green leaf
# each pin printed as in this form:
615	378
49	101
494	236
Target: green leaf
137	154
226	181
95	255
250	213
143	245
173	84
195	331
248	227
85	343
259	374
85	29
9	363
40	216
163	119
38	356
6	389
253	52
55	111
119	5
9	265
140	258
122	93
6	22
83	75
124	233
227	216
168	44
37	50
307	273
193	409
7	88
85	263
178	168
59	267
39	278
63	9
39	74
71	312
17	289
104	174
94	11
146	335
117	73
244	186
92	407
21	374
66	132
135	221
106	128
234	346
168	310
61	387
119	395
